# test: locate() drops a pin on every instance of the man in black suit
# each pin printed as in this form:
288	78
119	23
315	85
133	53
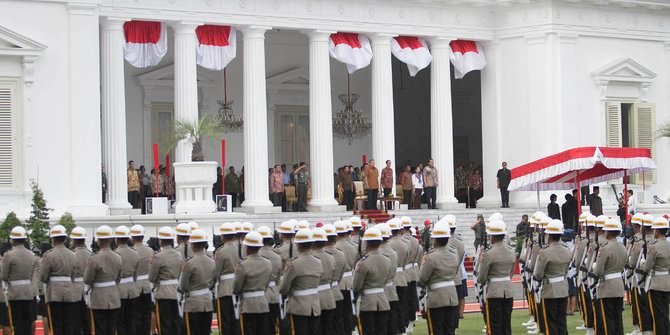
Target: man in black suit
504	176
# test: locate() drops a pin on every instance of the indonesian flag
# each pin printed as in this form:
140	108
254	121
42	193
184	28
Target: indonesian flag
351	49
412	51
217	46
146	43
466	56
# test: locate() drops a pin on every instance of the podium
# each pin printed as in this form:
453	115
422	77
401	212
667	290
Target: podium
156	205
224	203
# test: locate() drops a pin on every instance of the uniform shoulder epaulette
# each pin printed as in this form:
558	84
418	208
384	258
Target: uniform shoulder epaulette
278	245
364	257
653	242
292	258
48	251
189	258
265	257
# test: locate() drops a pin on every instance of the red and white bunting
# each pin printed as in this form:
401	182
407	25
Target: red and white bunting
217	46
351	49
146	43
412	51
466	56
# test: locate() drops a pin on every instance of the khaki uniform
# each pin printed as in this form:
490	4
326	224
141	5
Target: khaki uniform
439	273
252	279
194	282
18	266
58	266
163	273
347	282
272	292
495	270
286	251
370	278
609	304
657	266
127	288
143	286
102	275
550	270
226	260
82	316
300	283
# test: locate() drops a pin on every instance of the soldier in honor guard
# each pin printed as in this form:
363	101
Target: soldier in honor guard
495	270
127	287
285	248
58	266
183	231
524	263
164	271
194	282
272	293
370	277
609	264
397	243
252	279
642	320
355	237
243	228
632	285
300	282
549	276
144	305
540	325
340	263
601	240
578	257
588	305
657	283
102	274
456	241
346	283
411	270
226	259
326	299
81	316
18	266
438	274
389	288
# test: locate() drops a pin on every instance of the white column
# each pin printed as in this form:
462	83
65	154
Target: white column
114	115
85	136
441	122
321	123
255	122
185	82
492	139
383	129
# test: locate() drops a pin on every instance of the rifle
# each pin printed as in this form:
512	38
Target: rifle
640	275
593	278
481	288
583	269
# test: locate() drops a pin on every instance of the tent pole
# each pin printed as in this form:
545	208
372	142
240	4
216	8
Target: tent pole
625	195
538	196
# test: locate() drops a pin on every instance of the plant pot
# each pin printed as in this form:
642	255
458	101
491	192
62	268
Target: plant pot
193	181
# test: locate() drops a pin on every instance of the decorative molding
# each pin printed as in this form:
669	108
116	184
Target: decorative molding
624	73
292	80
22	49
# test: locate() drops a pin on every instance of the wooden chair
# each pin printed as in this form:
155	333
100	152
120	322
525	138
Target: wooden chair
340	194
291	197
359	194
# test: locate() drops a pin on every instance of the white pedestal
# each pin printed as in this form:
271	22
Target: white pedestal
194	182
157	205
224	203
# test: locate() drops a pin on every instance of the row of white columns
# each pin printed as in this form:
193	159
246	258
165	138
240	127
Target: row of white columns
255	112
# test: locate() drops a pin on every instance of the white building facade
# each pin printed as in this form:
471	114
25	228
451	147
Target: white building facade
560	74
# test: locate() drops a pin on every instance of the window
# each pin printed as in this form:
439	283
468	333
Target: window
633	125
8	101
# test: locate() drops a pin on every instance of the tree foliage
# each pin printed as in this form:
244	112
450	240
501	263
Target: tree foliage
38	222
11	221
207	127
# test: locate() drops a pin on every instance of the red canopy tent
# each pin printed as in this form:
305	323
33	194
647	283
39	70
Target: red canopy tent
586	165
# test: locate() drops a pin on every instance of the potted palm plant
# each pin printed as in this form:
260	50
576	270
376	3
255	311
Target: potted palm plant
194	179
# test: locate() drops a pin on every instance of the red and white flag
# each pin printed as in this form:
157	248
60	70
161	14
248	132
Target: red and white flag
466	56
217	46
412	51
351	49
146	43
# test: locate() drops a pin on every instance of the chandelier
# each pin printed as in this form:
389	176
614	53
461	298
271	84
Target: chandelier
226	116
349	122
